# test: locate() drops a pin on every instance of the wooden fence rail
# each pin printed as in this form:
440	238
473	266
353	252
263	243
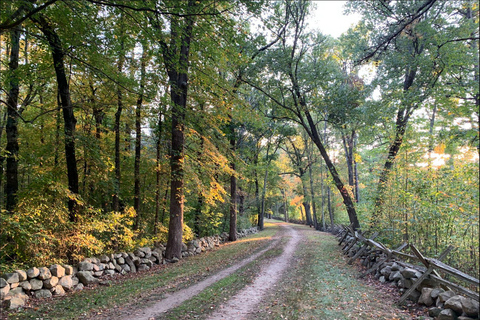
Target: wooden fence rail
431	266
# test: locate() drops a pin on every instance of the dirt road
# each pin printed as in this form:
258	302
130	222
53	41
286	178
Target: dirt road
237	307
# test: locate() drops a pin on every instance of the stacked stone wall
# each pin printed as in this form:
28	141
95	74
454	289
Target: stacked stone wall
42	282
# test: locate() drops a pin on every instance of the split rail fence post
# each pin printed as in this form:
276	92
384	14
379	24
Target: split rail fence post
425	274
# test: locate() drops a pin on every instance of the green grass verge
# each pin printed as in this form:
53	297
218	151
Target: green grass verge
320	285
127	291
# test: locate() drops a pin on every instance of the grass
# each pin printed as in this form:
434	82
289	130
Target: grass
320	285
130	290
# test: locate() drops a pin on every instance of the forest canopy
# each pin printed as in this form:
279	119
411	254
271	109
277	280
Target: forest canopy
128	123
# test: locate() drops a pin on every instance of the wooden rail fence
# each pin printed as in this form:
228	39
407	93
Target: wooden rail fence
431	266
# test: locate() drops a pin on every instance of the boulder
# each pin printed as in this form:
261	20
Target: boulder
465	318
130	263
109	272
436	292
426	297
22	275
68	270
409	273
11	277
111	266
444	296
157	255
75	280
50	283
32	273
434	311
4	291
86	278
395	267
119	267
125	268
104	259
139	253
447	314
79	287
44	273
36	284
455	303
143	267
98	273
147	262
85	266
17	292
26	285
386	272
470	307
66	283
15	303
3	283
395	276
121	260
44	293
58	290
57	270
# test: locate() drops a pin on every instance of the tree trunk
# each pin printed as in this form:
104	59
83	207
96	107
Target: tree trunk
12	148
157	171
330	207
348	142
403	116
138	141
232	234
347	200
118	115
68	115
257	194
176	64
312	191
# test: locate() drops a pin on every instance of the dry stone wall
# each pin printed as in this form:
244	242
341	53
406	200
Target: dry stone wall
18	286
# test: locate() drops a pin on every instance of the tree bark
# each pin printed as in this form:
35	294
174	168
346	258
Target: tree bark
138	141
347	200
232	234
176	64
68	114
118	115
403	115
12	148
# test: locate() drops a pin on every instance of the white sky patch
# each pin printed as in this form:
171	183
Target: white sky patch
328	18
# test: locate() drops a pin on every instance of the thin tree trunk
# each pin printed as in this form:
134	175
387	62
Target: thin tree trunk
330	207
12	148
355	172
118	115
312	191
403	116
232	235
347	200
138	140
2	159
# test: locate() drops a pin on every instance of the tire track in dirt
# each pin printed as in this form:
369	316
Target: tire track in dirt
173	300
240	306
